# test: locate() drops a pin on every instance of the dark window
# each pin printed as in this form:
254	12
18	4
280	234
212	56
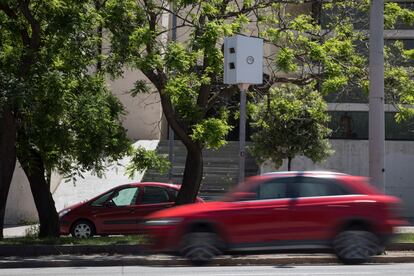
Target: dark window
312	186
400	24
354	125
101	200
360	17
349	125
154	195
173	194
273	189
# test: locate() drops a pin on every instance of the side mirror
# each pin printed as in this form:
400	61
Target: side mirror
244	196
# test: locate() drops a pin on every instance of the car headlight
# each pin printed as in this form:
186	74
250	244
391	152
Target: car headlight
64	212
161	222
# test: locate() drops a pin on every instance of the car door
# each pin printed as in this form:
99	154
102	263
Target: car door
117	214
258	221
154	198
318	204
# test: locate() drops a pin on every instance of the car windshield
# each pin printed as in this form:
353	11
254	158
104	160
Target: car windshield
102	199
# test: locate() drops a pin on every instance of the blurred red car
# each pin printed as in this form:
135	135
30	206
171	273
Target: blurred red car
290	210
117	211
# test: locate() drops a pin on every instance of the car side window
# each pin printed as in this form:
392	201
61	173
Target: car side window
125	197
154	195
273	189
173	194
101	200
313	186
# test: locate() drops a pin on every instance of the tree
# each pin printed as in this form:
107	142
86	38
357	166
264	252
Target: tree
57	114
291	121
183	73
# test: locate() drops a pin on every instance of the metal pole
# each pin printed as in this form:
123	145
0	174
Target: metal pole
242	131
170	130
376	95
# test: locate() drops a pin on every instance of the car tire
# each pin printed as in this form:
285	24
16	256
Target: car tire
356	246
201	247
82	229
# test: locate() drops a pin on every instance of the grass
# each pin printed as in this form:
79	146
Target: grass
112	240
405	237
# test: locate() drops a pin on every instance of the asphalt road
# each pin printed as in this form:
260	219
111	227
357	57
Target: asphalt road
390	269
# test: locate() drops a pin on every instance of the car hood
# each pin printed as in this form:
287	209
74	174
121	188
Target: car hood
74	206
188	210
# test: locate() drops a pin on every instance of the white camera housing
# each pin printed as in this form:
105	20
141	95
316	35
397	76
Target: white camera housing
243	60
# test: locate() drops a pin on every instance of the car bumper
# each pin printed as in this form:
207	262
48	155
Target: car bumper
64	227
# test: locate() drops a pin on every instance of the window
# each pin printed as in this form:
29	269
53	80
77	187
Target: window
154	195
354	125
101	200
273	189
125	197
173	194
309	187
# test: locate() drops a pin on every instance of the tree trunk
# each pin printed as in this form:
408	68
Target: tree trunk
192	175
7	159
45	205
289	163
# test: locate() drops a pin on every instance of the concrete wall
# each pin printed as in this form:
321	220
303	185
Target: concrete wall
20	208
144	112
351	156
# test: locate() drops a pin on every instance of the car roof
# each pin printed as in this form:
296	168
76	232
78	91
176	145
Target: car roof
162	184
307	173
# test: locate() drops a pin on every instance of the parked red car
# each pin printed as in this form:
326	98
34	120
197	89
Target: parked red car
117	211
289	210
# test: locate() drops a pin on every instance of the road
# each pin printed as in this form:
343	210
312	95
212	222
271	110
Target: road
337	270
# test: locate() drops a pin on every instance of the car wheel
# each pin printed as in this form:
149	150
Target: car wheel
200	247
355	246
82	230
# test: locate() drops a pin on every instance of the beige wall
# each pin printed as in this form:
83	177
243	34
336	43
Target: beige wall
144	112
20	206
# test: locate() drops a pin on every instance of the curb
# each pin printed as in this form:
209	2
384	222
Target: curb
160	260
45	250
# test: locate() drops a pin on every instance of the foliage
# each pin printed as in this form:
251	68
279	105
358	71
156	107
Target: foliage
291	121
65	111
143	159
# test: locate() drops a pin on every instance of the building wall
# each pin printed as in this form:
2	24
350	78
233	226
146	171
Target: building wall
351	156
20	208
143	118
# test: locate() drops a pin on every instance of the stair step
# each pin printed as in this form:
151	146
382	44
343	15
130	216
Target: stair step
220	167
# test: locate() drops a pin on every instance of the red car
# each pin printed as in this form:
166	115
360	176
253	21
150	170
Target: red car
289	210
117	211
